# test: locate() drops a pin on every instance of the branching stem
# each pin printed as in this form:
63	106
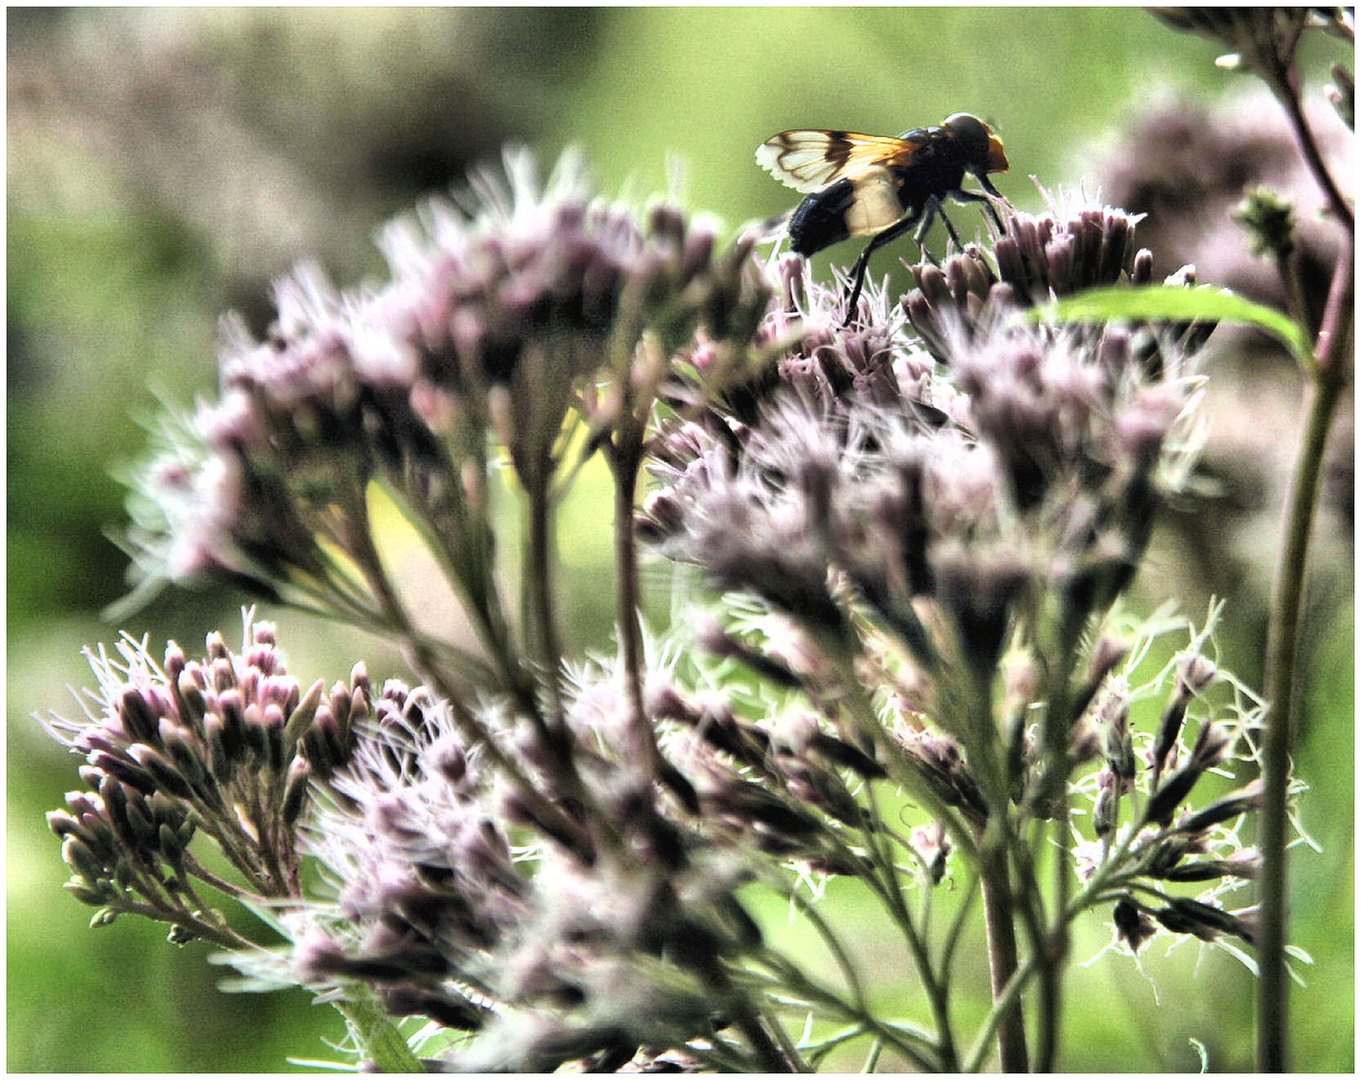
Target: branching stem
1330	375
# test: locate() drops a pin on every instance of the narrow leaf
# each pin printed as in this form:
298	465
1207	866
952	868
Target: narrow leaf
1175	303
377	1038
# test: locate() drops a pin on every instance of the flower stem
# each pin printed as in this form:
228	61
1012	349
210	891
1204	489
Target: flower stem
1005	1001
935	989
1329	378
998	912
1286	89
790	977
546	646
625	458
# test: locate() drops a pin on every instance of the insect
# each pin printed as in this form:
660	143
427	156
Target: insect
857	185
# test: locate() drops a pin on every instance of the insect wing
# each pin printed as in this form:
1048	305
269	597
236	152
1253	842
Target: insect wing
808	161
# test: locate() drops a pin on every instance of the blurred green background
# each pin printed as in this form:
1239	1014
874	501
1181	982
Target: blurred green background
165	164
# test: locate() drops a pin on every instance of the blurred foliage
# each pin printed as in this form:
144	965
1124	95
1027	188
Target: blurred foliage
164	164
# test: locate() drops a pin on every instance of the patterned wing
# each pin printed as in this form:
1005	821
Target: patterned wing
808	161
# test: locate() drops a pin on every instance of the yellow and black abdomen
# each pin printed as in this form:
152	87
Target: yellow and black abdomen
849	207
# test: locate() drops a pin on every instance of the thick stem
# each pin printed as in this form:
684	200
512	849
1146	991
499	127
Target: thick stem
545	645
1054	954
1330	377
998	909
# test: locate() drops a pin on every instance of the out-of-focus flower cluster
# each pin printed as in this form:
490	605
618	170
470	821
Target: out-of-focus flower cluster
226	745
1188	166
498	311
450	910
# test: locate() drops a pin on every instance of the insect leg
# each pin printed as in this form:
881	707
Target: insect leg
950	229
861	266
974	196
990	188
929	211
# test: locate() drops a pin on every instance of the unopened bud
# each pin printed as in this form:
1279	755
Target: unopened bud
1195	672
139	722
1107	809
160	770
1132	923
191	702
302	717
295	790
1169	727
1186	916
1225	809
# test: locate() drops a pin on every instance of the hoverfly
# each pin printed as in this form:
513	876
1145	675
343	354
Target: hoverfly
862	184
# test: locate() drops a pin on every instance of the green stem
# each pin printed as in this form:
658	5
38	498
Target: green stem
545	645
891	755
378	1041
625	458
1054	953
786	1046
998	916
223	936
1329	378
198	870
952	938
893	896
1006	1001
843	958
790	976
462	546
993	839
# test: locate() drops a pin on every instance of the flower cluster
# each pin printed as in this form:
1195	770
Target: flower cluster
497	312
1031	466
450	910
924	516
920	514
1036	259
225	746
1167	843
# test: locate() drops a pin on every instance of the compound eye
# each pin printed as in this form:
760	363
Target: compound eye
970	131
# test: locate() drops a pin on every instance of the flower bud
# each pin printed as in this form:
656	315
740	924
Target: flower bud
1132	923
137	719
1225	809
161	771
295	790
301	718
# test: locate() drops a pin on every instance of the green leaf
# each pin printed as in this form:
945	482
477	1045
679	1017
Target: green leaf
1175	303
377	1038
